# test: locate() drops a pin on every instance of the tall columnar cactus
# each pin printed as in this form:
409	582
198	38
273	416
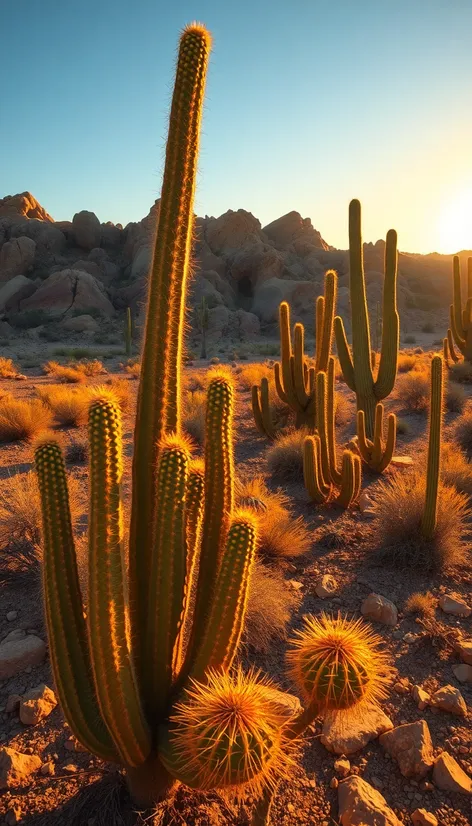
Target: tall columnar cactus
143	671
428	524
202	322
460	331
377	453
324	481
449	351
357	366
128	333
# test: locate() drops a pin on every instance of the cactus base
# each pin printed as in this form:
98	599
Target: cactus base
149	783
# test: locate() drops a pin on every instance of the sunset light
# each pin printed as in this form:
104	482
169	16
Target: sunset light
455	223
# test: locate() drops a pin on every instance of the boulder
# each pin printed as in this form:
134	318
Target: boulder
326	587
88	266
16	257
380	609
464	649
348	731
24	205
231	231
49	239
69	290
301	296
463	673
18	653
14	291
81	324
218	321
86	230
205	259
449	777
362	805
16	768
293	229
248	324
37	704
420	817
448	698
420	696
254	265
454	605
411	746
141	263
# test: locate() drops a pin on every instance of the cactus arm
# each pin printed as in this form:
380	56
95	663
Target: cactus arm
286	356
331	425
278	383
455	358
113	672
344	355
469	277
329	305
377	450
457	296
360	321
257	410
318	489
322	424
319	317
300	367
261	409
218	645
363	443
68	644
389	447
428	524
357	476
348	484
456	336
387	372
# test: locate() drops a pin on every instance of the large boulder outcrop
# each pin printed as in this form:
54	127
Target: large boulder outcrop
16	257
86	230
301	296
14	291
23	204
69	290
231	231
292	229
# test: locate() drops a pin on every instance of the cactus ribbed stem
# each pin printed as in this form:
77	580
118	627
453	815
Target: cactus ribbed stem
377	454
261	409
428	524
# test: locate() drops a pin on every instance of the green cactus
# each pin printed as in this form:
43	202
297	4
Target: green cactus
143	671
202	323
128	334
376	453
357	368
428	524
261	410
460	331
449	351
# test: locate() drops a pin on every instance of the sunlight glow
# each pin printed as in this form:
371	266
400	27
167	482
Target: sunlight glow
455	223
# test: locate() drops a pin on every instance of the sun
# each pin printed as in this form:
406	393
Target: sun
455	223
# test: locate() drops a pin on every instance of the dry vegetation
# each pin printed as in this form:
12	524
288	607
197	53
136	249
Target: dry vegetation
270	607
285	456
22	420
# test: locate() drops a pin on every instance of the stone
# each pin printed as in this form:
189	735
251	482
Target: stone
402	461
346	732
81	324
37	704
326	587
448	698
420	696
362	805
23	204
86	230
13	703
380	609
454	605
248	324
16	257
411	746
231	231
420	817
464	649
366	504
292	228
449	777
70	768
69	290
18	654
218	321
463	673
342	766
14	291
12	615
16	768
48	769
287	704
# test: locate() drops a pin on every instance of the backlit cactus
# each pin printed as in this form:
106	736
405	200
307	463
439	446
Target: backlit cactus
460	331
377	453
357	364
128	334
428	524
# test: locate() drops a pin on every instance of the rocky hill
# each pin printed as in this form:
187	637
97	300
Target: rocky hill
71	274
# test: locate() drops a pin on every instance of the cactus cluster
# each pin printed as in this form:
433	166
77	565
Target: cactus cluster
460	330
143	670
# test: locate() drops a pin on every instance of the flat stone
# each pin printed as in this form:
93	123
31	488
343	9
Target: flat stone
411	746
347	731
463	673
464	649
455	606
402	461
287	704
362	805
326	587
448	775
420	817
37	704
17	654
380	609
448	698
16	768
13	816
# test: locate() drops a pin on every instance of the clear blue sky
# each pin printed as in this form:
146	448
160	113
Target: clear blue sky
309	103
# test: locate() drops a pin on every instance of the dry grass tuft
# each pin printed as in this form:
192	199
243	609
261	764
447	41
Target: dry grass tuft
270	606
285	456
456	471
7	368
343	411
76	452
69	405
461	372
406	362
121	389
413	391
133	368
63	373
455	397
397	535
252	374
90	367
463	432
280	535
423	604
193	415
22	420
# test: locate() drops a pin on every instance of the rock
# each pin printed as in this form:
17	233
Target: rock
14	291
454	605
402	461
342	766
268	295
48	769
362	805
88	266
13	703
25	205
345	732
248	324
16	768
379	609
81	324
231	231
141	263
16	257
218	320
69	290
366	504
420	696
86	230
448	698
411	746
464	649
13	816
18	654
448	775
37	704
286	703
292	228
70	768
463	673
420	817
326	587
12	615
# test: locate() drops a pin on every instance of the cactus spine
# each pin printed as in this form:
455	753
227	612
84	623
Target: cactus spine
460	331
428	524
128	333
357	366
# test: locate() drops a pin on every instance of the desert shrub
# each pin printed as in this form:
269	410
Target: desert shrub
252	374
462	432
28	319
285	456
455	397
413	391
342	411
423	604
400	540
456	471
69	404
22	420
461	372
270	606
406	362
76	353
410	340
279	533
403	427
90	367
76	452
215	359
63	373
193	415
7	368
133	368
428	327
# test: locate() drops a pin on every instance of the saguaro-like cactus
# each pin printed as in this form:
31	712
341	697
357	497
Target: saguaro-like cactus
377	453
143	671
460	331
428	524
128	333
357	368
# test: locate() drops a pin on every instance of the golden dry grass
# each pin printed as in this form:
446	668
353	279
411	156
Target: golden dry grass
133	368
397	536
463	432
285	456
251	374
455	469
455	397
406	362
461	372
22	420
64	373
280	535
193	415
68	404
7	368
122	390
413	391
423	604
89	367
270	606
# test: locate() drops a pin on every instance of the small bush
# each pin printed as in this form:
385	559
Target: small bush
413	391
280	534
285	456
63	373
7	368
406	362
133	368
69	405
22	420
403	427
422	604
461	372
456	471
463	432
410	340
428	327
193	415
455	397
90	367
400	540
252	374
270	606
121	388
76	452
